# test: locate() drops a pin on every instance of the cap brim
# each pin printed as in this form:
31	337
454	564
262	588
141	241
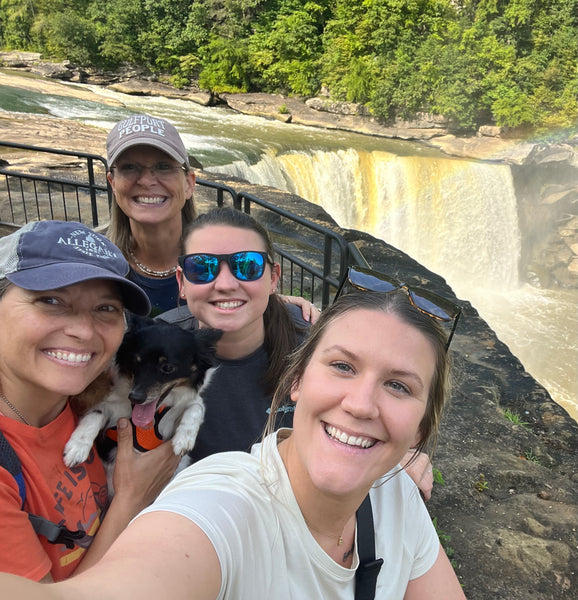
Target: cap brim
146	141
58	275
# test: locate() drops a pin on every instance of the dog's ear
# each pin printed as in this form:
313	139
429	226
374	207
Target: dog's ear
209	337
136	322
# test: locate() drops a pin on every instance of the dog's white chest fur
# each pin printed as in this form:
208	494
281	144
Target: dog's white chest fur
180	424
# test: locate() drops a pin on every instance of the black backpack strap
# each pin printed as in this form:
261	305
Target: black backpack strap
59	534
368	569
10	461
55	534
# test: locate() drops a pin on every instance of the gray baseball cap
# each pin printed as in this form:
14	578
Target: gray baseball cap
47	255
148	131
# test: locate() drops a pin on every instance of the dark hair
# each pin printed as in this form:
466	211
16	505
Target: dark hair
281	333
396	303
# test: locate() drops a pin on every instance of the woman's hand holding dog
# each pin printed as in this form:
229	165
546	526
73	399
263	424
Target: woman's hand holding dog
139	477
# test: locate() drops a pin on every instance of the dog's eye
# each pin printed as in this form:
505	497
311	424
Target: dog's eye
167	368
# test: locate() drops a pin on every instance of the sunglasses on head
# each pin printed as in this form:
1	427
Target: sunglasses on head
358	278
203	268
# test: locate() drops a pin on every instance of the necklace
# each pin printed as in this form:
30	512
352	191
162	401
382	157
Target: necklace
325	535
152	272
14	409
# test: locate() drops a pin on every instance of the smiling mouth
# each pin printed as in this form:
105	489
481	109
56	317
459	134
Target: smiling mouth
150	199
349	440
228	305
71	357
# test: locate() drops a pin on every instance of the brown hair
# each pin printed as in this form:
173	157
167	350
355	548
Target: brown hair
4	285
396	303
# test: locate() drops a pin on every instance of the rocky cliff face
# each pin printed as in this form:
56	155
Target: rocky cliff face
546	188
507	512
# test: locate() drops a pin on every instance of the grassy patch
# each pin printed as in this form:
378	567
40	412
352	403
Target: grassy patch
514	418
531	457
481	483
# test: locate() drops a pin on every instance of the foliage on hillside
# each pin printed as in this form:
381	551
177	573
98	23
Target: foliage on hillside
508	62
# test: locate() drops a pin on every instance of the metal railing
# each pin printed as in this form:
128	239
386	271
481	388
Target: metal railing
313	258
29	196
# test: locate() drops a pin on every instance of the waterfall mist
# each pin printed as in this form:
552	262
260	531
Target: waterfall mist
458	218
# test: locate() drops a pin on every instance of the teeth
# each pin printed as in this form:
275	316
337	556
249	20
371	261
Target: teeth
150	199
228	305
72	357
349	440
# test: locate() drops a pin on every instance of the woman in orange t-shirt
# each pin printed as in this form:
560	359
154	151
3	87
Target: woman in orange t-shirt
63	294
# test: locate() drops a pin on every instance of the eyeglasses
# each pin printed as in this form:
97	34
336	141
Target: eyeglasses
204	268
133	171
425	301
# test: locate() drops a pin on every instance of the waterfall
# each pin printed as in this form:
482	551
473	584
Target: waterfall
456	217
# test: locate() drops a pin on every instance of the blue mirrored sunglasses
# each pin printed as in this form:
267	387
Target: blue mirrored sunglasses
359	278
204	268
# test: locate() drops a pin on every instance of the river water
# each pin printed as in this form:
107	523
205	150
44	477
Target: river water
456	217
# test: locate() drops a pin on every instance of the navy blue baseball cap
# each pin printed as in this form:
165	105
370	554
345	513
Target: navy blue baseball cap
47	255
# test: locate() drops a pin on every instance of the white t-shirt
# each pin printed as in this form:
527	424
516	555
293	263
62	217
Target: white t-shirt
245	505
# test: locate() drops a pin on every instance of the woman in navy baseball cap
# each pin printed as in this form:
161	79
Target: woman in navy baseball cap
63	296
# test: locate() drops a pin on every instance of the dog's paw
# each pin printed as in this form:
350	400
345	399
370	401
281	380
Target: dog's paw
183	442
76	452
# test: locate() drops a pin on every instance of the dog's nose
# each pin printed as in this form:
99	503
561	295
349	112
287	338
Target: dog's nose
137	397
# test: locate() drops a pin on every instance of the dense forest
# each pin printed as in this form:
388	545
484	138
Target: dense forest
511	63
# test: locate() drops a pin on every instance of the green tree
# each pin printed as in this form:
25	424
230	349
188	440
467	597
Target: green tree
66	35
509	62
284	51
119	24
224	66
16	19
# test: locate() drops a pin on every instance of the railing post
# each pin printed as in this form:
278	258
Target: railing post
92	183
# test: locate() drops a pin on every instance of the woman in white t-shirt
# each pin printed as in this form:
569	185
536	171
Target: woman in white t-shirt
369	383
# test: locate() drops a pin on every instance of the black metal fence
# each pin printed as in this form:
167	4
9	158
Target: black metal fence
313	258
67	186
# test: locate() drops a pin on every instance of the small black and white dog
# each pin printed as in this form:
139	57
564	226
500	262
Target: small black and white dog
159	369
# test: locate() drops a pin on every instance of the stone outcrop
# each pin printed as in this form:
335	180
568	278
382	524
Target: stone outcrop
547	197
141	87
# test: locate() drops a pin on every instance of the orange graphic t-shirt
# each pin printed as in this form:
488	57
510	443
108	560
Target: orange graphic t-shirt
74	497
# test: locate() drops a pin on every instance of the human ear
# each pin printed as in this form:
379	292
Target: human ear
275	275
295	388
180	282
190	184
111	181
